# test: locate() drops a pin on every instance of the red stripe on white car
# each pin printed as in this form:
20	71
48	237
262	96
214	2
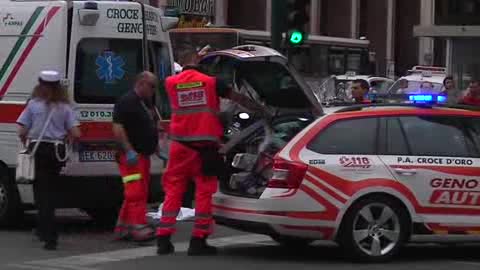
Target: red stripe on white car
325	188
351	188
331	211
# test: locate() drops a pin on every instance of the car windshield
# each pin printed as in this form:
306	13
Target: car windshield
380	87
415	87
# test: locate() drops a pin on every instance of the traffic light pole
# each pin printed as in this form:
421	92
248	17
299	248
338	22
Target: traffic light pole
279	25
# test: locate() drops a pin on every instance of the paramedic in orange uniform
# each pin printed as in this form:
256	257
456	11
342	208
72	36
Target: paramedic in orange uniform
135	126
196	133
360	90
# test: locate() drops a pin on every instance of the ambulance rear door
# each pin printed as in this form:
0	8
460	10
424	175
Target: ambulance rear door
106	53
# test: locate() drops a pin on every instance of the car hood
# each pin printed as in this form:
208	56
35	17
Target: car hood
264	75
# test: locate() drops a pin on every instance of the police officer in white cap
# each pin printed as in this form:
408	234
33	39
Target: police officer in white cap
48	121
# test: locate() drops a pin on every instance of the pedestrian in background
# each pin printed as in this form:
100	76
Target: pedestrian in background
135	125
472	97
403	87
449	90
46	124
360	89
426	87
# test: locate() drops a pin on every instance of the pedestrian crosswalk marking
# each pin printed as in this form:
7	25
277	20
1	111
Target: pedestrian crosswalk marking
92	261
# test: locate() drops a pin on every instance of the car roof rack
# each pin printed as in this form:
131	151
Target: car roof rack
360	107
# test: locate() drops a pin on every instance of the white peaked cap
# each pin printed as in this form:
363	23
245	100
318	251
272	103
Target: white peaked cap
178	67
50	76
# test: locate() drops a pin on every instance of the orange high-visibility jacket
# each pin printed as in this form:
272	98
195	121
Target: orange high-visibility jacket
195	106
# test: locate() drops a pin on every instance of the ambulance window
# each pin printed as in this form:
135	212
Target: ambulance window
438	136
105	69
338	139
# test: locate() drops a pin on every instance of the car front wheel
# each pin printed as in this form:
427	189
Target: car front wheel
374	229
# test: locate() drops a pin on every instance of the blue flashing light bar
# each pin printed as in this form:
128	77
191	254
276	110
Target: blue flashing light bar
442	99
427	98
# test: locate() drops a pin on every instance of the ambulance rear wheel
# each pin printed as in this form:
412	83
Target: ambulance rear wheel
10	210
374	229
293	242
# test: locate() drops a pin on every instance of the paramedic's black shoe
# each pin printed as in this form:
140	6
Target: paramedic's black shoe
164	245
199	247
50	246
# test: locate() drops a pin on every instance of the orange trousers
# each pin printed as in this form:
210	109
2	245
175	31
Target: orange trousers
136	180
184	164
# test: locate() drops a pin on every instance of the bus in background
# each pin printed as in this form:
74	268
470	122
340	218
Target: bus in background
318	58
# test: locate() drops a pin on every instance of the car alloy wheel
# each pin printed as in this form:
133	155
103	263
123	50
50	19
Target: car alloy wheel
376	229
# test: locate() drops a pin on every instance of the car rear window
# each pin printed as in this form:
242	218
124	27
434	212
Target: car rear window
353	136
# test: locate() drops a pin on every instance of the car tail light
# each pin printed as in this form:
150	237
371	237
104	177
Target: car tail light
287	174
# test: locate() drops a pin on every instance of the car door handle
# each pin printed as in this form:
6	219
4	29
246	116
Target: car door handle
405	171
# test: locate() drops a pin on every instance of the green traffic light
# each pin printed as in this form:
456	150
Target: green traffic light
296	37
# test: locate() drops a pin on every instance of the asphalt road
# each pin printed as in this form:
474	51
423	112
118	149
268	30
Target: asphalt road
84	247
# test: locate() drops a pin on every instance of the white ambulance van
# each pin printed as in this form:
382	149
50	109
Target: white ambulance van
99	47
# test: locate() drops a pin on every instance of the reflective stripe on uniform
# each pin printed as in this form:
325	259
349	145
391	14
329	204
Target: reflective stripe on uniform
194	110
183	86
194	138
131	178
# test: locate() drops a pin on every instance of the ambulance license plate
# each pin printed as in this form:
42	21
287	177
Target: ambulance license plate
97	156
96	152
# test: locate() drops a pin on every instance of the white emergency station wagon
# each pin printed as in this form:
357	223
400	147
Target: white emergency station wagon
412	82
99	47
369	177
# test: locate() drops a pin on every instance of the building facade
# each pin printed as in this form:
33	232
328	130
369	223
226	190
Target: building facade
387	24
452	35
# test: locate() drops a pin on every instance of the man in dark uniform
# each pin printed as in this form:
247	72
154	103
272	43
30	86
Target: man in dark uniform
135	126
